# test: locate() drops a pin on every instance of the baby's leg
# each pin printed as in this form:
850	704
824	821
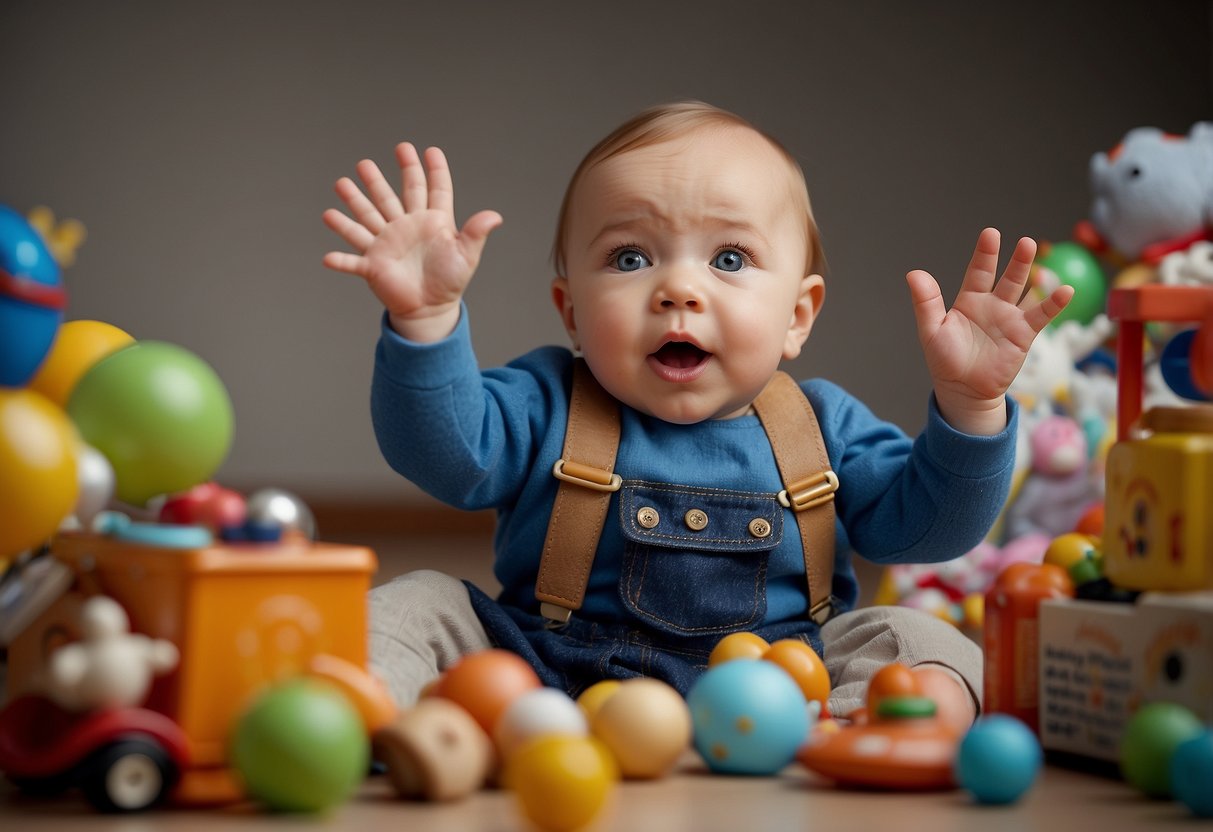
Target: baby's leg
421	623
861	642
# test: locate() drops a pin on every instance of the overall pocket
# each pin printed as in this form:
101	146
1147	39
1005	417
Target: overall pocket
695	559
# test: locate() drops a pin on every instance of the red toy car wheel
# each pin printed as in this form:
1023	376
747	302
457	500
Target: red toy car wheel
128	776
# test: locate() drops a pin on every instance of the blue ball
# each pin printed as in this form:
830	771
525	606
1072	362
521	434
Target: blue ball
749	717
31	299
998	759
1192	774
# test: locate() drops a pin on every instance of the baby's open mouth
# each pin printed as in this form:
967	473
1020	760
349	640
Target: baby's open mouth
680	355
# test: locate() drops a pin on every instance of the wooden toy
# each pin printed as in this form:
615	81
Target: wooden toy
435	751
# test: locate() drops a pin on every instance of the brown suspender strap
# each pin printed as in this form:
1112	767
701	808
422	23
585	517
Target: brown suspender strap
809	483
587	478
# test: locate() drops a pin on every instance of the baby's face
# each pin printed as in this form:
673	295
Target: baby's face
686	278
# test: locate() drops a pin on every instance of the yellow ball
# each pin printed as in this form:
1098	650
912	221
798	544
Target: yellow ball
738	646
646	725
37	469
77	347
561	782
1069	548
595	695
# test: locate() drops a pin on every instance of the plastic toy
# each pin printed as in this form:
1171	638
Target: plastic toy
124	759
535	713
1192	773
1068	549
1151	737
95	479
300	747
38	475
208	504
749	717
646	726
31	299
804	666
561	783
159	414
62	237
280	507
1010	637
110	667
895	742
741	645
1071	264
435	751
243	617
593	697
998	759
485	683
1153	193
76	348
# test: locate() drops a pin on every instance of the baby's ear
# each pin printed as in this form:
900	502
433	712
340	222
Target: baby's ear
563	299
808	303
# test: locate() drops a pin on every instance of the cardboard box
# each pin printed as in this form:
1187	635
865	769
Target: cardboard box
1101	661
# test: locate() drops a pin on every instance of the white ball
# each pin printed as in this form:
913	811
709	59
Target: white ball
536	713
96	478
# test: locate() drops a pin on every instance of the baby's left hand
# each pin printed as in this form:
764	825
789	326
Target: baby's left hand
975	349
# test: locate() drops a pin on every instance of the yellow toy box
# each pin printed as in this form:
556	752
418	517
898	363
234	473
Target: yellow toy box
1100	661
1157	533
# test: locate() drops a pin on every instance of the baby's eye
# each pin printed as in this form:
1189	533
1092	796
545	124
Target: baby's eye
729	260
630	260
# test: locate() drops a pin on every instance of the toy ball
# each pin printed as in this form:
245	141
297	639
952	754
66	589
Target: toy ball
804	665
95	477
738	646
208	504
277	507
31	299
159	414
646	725
1068	549
561	783
593	697
485	683
1192	773
536	713
749	717
38	475
77	347
1150	739
998	759
434	751
1071	264
1177	363
301	747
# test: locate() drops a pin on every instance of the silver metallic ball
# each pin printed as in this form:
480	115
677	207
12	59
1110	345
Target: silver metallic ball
96	479
276	505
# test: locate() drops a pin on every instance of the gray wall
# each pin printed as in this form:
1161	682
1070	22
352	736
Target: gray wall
199	143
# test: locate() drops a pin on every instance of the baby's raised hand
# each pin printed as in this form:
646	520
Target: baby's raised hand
975	349
411	254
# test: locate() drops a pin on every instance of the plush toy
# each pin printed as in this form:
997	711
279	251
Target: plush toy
110	667
1152	194
1059	488
1193	267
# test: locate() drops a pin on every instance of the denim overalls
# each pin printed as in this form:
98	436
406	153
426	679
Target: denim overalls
694	567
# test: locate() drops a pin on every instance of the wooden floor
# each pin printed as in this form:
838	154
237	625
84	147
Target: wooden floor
1063	798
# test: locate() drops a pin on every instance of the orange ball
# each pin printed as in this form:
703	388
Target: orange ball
738	646
485	683
804	665
891	680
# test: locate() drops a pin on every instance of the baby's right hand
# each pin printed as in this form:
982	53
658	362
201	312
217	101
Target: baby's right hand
411	255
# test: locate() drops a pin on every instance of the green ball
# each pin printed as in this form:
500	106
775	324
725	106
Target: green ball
159	414
1151	737
301	747
1075	266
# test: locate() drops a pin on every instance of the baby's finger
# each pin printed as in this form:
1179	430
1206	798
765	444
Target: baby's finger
1038	316
442	190
413	187
929	308
1015	277
350	231
359	205
380	191
343	261
979	276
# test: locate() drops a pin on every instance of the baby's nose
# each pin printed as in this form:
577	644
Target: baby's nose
679	290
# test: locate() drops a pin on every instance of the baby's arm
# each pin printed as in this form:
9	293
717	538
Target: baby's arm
975	349
410	252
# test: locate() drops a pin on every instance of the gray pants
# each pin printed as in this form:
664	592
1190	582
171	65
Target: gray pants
422	622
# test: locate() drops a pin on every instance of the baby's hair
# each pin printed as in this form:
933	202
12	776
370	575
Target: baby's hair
668	121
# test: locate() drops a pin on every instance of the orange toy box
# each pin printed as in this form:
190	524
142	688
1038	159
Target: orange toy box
242	616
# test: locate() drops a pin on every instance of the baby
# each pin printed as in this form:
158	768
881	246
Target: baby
688	265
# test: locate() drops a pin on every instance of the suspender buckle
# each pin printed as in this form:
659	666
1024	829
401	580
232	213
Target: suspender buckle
587	476
556	615
822	611
812	491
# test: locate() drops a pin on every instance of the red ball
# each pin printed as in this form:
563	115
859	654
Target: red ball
485	683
